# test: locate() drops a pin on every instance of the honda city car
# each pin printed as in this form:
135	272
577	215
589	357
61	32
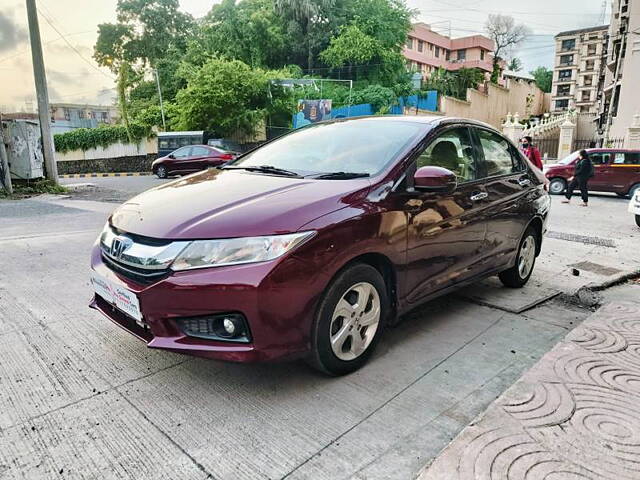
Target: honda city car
616	171
310	245
189	159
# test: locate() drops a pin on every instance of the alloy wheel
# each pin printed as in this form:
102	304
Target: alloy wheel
355	320
527	256
556	187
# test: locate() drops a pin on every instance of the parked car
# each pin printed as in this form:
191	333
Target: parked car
170	141
190	159
311	244
634	206
616	171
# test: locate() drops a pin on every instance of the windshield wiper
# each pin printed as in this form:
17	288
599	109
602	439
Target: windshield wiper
262	169
341	175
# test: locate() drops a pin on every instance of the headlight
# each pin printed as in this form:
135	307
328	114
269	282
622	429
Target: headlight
234	251
106	230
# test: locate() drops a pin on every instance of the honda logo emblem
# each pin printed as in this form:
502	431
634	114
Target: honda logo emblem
119	245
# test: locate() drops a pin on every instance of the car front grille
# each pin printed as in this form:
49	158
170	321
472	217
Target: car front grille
139	275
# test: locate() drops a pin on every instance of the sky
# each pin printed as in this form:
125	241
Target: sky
68	29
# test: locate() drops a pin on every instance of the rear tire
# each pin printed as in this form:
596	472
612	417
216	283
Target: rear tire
518	275
557	186
349	321
161	171
633	190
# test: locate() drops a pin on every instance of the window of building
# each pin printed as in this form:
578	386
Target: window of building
448	55
420	45
591	49
562	103
588	80
410	43
564	75
568	44
438	52
586	95
481	54
462	54
566	59
67	114
563	90
590	65
593	36
431	47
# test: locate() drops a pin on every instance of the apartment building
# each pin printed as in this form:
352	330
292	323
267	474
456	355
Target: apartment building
579	69
69	116
427	51
620	101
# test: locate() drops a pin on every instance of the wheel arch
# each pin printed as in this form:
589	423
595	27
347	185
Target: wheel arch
537	224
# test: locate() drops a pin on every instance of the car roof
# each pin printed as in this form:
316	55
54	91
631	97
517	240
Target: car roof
424	119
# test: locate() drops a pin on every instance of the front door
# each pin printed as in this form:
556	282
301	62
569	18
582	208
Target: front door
603	179
446	232
180	160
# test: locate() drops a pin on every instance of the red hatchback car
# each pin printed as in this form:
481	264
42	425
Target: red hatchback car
616	171
189	159
311	244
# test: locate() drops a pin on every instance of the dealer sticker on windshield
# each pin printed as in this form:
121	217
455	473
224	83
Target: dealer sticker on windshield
118	296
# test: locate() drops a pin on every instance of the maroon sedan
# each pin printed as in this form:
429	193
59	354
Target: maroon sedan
189	159
311	244
616	171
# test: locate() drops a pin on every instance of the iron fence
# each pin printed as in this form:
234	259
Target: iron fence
548	146
581	144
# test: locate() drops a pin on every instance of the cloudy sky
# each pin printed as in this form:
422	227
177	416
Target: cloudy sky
69	29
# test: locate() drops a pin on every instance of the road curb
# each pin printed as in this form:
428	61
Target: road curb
100	175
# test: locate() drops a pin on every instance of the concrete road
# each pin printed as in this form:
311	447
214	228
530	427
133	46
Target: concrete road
80	398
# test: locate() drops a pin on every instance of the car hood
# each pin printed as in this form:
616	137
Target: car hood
233	203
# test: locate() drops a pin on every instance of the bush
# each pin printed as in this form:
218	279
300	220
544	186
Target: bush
103	136
376	95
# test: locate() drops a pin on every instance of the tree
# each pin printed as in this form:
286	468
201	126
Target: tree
515	64
454	84
506	35
544	78
227	97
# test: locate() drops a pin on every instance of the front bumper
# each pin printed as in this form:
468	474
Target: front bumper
276	300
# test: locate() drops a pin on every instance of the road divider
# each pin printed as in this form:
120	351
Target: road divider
100	175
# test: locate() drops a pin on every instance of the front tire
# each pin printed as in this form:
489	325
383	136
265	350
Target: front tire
349	321
557	186
518	275
161	171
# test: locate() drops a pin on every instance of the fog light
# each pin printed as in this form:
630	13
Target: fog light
229	326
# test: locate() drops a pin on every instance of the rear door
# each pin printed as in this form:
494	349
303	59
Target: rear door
199	157
627	171
508	183
603	179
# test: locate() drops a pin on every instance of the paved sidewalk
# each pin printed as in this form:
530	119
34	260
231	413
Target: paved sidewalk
574	415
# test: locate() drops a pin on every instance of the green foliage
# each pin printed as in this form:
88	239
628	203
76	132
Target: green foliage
28	188
351	47
454	84
515	64
544	78
228	96
377	95
102	136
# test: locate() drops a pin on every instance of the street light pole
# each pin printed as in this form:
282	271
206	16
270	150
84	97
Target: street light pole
41	92
164	127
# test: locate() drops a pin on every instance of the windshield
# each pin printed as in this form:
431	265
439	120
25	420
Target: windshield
362	146
567	160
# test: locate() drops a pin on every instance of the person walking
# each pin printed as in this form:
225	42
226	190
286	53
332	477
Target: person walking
583	172
531	151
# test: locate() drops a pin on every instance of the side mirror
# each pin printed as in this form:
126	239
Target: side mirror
435	179
171	155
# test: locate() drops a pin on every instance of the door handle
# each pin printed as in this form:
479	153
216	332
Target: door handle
479	196
523	182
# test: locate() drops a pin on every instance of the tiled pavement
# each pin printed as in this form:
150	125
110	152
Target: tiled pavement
574	415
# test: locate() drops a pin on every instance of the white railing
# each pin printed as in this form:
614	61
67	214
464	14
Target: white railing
545	126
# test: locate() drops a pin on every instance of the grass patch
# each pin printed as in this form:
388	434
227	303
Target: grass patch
30	188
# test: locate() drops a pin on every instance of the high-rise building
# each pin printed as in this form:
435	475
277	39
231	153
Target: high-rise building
620	100
579	69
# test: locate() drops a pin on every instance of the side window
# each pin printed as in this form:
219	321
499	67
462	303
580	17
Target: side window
163	144
618	158
598	158
632	158
199	151
498	156
451	150
182	152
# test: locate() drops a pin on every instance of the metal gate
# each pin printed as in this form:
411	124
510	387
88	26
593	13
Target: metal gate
548	146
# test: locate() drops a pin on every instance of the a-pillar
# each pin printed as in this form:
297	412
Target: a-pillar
567	134
632	139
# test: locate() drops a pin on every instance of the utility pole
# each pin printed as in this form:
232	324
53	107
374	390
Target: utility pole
164	127
4	164
41	92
